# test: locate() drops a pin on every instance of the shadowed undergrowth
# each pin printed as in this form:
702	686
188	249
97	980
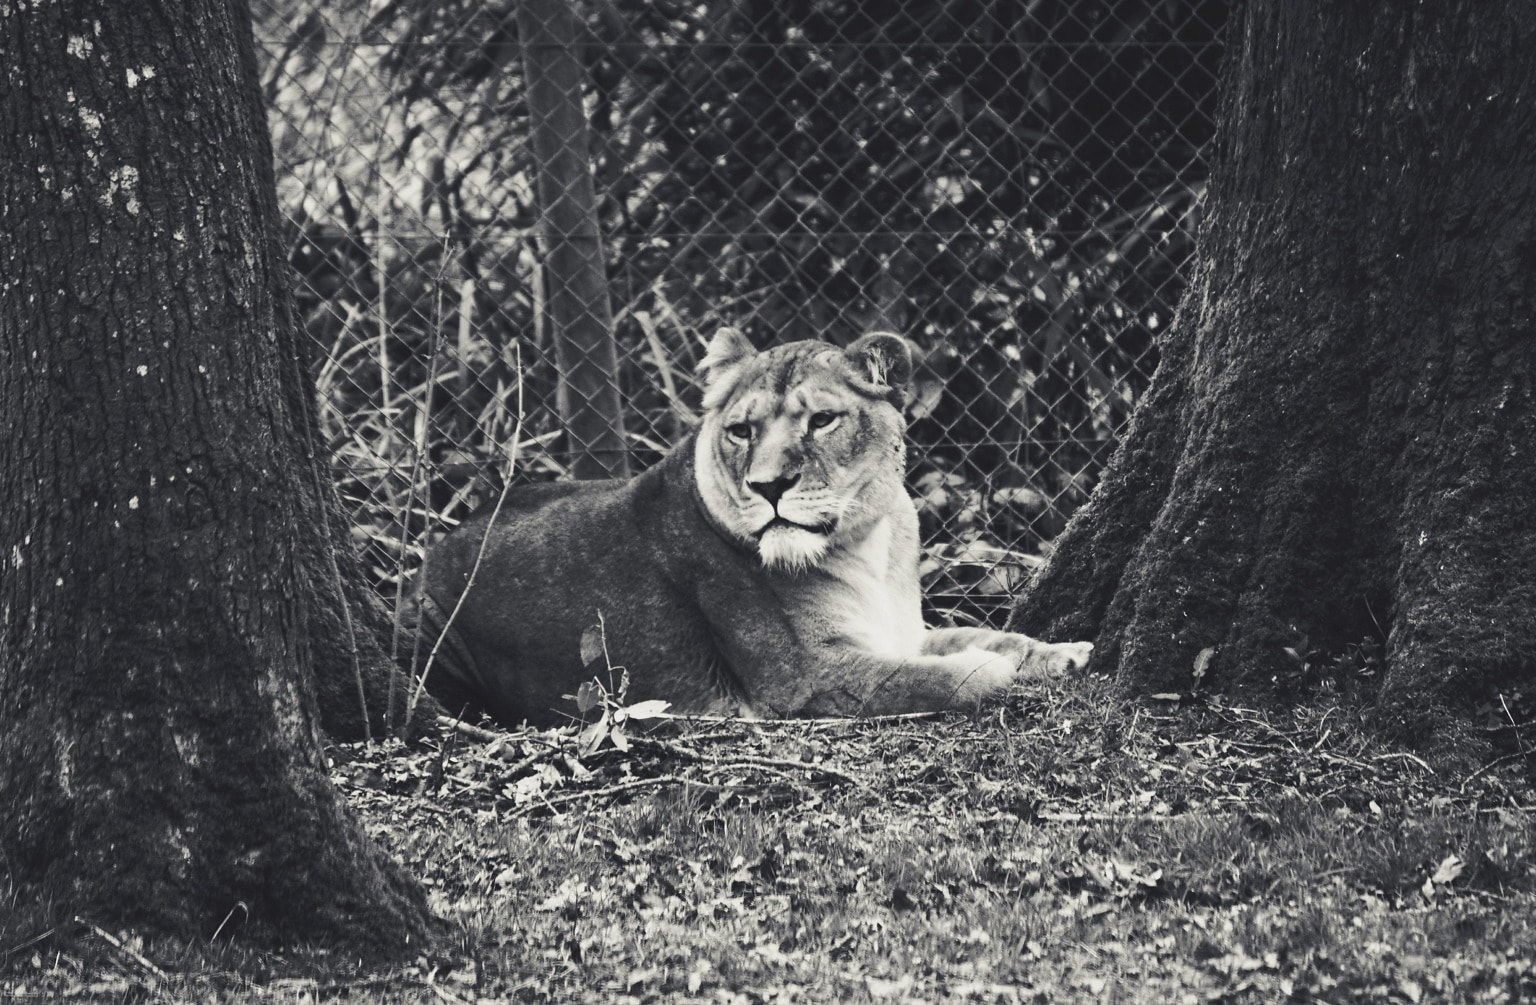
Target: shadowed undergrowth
1065	846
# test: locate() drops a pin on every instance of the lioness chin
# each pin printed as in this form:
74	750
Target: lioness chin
768	565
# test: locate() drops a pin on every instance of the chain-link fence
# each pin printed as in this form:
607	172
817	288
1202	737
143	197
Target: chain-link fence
1011	184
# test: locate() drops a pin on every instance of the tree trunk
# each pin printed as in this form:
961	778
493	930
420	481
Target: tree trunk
578	309
1340	442
174	565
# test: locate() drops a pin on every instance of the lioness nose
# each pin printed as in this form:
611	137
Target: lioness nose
774	489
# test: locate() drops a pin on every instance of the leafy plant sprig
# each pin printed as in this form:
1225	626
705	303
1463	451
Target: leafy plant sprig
614	714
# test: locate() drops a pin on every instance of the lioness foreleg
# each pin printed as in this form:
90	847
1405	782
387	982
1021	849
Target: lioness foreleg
1032	658
853	681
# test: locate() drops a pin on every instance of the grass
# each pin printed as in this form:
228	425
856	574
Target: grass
1066	846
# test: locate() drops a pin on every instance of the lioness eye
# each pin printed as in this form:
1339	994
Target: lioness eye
821	420
739	431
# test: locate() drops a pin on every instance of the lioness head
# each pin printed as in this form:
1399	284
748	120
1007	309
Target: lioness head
801	449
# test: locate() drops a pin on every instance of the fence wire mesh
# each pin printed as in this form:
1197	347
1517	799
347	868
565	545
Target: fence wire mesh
1011	184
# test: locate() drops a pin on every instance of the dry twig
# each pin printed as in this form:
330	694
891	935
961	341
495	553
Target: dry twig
118	944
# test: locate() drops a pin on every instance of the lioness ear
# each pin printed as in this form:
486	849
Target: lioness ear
727	350
885	362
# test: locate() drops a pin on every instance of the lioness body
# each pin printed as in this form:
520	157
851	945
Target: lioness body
767	565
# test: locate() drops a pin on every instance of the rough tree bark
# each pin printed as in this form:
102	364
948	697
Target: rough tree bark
174	566
1340	441
578	309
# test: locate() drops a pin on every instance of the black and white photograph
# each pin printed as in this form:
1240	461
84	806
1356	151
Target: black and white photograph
767	502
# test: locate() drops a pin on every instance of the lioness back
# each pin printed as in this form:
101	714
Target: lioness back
768	564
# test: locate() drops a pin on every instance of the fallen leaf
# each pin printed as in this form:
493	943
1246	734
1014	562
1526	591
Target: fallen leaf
570	891
1449	870
879	987
646	709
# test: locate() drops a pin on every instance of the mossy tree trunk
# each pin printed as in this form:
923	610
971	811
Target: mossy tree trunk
175	570
1340	441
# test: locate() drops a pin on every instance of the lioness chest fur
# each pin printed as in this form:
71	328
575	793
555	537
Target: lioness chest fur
768	565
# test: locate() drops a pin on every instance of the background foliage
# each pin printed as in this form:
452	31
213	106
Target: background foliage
1012	184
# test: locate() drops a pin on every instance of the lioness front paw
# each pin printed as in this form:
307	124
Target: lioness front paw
1056	658
1042	660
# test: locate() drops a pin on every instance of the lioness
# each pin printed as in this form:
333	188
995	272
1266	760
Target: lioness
767	566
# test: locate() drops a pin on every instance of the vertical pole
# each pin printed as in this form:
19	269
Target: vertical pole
579	312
